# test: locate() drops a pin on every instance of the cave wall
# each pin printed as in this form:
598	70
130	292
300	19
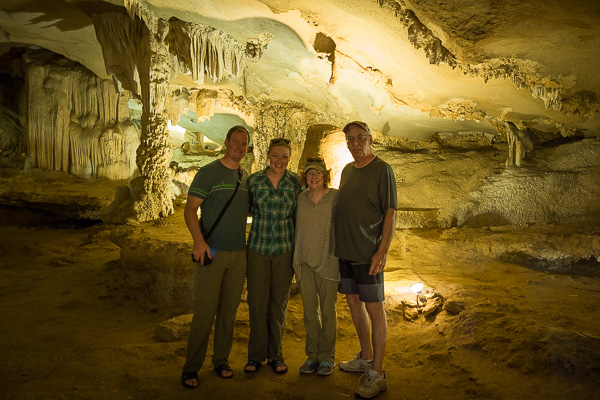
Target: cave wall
77	122
289	120
449	187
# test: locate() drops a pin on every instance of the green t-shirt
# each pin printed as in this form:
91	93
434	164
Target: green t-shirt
365	196
215	184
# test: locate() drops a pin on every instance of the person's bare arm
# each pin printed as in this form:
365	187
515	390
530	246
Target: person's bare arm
190	214
380	257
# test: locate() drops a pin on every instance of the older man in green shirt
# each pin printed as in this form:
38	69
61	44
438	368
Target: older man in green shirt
364	227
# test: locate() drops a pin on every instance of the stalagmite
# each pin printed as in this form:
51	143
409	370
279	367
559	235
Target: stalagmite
135	53
154	153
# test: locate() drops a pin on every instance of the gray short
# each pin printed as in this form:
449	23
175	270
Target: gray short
355	279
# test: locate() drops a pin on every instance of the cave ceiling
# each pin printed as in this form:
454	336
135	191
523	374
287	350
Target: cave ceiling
408	68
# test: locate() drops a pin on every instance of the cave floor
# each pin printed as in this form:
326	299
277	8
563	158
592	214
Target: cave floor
523	334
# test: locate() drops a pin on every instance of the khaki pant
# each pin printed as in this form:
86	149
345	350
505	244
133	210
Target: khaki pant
217	292
319	297
269	282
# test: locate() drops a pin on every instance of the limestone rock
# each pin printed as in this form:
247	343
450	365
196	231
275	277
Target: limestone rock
410	313
432	306
173	329
459	110
12	138
454	307
466	140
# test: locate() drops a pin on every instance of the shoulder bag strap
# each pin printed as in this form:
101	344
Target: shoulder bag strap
214	225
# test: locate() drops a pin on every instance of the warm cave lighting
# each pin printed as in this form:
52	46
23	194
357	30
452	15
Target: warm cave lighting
416	288
335	152
176	132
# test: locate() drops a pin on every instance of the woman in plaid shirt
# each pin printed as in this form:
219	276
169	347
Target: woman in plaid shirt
273	194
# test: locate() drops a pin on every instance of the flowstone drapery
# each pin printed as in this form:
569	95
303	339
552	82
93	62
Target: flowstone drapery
76	121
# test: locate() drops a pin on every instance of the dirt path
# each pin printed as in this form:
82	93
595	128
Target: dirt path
64	335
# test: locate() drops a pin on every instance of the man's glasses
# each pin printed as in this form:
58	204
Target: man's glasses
280	140
359	138
314	159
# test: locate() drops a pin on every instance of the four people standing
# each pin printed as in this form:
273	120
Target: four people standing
362	215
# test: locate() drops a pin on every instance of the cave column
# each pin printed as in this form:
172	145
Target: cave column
519	143
154	153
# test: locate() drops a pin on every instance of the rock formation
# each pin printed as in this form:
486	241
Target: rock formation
447	92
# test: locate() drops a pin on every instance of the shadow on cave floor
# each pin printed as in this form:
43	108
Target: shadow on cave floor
68	330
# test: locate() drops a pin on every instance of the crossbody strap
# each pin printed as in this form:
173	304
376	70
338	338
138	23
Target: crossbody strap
214	225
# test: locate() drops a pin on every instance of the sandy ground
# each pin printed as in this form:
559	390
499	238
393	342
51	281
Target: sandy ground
64	335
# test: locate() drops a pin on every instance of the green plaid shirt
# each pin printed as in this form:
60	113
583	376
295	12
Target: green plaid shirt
273	213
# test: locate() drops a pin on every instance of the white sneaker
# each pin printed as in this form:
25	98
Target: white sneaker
356	365
370	384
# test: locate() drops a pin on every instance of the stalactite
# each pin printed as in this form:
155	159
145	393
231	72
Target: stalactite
524	74
552	97
118	36
419	35
139	9
206	99
177	103
205	51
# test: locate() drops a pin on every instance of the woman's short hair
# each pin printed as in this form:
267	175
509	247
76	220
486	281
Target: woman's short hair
318	164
